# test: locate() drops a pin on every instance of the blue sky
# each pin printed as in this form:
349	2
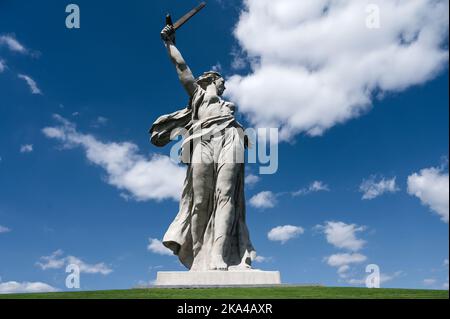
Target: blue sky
110	79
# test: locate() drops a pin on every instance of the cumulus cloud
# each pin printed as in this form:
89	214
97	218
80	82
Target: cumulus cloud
57	260
27	148
314	187
265	199
430	185
343	260
4	229
373	187
251	179
99	268
54	261
31	83
342	235
155	178
14	287
157	247
10	42
315	64
285	233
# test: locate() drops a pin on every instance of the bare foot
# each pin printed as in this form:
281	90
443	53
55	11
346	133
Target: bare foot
217	263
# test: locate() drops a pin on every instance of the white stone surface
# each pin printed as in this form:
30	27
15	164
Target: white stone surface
218	278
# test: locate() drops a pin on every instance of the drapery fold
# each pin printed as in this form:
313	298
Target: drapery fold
178	237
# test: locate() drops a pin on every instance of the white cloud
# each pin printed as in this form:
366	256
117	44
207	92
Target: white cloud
345	259
157	247
342	270
2	65
31	83
12	287
99	121
343	263
262	259
446	262
27	148
4	229
285	233
314	187
384	278
54	261
57	261
342	235
155	178
239	62
429	282
217	67
100	268
318	64
12	44
318	186
373	188
251	179
430	185
263	200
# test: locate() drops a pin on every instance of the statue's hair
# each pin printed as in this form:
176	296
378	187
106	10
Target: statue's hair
207	78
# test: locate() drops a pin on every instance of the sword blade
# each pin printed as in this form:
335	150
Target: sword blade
188	16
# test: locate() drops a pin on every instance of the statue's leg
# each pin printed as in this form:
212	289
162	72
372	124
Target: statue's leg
230	161
202	187
227	175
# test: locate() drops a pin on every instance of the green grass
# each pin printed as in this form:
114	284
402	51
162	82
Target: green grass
243	293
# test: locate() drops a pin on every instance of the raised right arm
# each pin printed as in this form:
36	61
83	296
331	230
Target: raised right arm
184	73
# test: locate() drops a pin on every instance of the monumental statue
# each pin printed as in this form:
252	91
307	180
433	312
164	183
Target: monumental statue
210	231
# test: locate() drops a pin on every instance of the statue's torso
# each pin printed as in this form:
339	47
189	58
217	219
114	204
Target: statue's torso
212	106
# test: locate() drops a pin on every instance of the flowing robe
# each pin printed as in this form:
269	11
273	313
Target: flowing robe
178	237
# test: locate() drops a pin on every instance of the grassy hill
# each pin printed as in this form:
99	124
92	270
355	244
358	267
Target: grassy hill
242	293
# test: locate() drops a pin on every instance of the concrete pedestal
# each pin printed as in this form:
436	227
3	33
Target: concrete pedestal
217	278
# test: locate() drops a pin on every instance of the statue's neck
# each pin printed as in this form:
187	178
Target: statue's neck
212	89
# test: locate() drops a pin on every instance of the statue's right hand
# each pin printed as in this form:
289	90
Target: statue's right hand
168	33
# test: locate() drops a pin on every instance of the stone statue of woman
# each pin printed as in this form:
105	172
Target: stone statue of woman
210	231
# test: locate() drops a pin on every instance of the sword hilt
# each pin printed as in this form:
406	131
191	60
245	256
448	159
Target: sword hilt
169	22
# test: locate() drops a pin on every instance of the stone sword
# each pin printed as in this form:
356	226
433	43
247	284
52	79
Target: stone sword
185	18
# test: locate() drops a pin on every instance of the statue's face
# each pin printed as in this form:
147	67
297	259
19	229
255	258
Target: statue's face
220	85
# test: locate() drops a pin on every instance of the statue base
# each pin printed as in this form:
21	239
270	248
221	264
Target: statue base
217	278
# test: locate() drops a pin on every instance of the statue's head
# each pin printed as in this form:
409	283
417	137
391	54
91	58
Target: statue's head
212	77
